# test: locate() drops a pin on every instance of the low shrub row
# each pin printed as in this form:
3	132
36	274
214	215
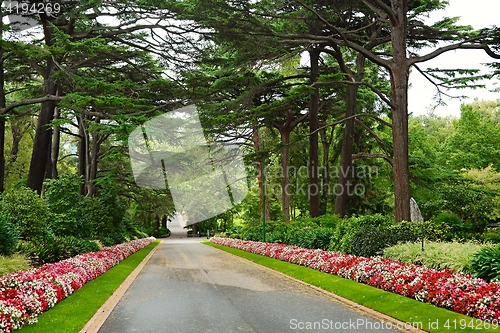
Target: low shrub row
447	289
437	255
359	235
26	294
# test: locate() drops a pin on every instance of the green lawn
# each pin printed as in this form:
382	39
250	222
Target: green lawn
72	313
422	315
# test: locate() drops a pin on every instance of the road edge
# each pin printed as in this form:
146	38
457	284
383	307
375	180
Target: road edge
339	299
98	319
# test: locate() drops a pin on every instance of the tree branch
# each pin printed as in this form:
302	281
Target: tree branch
14	105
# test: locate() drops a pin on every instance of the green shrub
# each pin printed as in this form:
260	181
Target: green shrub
253	233
65	202
458	228
491	236
9	235
28	212
369	241
53	249
346	229
411	231
310	238
237	230
437	255
13	263
486	264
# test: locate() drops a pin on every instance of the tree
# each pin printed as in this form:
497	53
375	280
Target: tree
403	22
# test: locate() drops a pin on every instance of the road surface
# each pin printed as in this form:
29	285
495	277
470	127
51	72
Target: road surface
188	287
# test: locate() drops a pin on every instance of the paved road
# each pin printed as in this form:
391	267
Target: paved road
190	287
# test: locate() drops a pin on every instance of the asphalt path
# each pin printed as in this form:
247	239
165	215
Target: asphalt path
190	287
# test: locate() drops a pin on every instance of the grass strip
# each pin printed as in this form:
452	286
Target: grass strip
417	314
71	314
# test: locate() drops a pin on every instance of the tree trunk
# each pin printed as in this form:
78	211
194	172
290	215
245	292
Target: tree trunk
82	152
346	166
43	135
399	82
257	145
2	123
314	189
54	155
285	157
326	177
93	158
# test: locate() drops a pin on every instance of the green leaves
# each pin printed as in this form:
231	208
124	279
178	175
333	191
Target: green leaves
486	264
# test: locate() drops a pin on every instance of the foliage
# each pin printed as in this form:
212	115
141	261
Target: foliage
13	263
65	202
491	236
53	249
9	235
28	212
347	228
410	231
486	263
437	255
458	228
369	241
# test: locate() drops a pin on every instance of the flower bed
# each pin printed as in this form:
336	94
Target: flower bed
26	294
447	289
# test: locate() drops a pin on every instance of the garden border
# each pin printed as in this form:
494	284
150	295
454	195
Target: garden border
98	319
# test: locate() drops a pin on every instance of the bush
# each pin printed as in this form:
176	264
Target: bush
310	238
65	202
53	249
28	212
252	233
9	235
369	241
491	236
237	230
437	255
346	229
458	228
411	231
486	264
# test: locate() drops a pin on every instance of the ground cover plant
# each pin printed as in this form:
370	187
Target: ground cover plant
26	294
458	292
437	255
12	263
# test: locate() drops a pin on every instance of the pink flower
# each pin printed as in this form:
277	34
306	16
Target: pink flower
26	294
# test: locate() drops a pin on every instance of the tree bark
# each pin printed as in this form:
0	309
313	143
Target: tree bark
399	72
2	122
285	157
257	145
54	155
346	167
314	189
93	157
82	152
326	144
43	135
